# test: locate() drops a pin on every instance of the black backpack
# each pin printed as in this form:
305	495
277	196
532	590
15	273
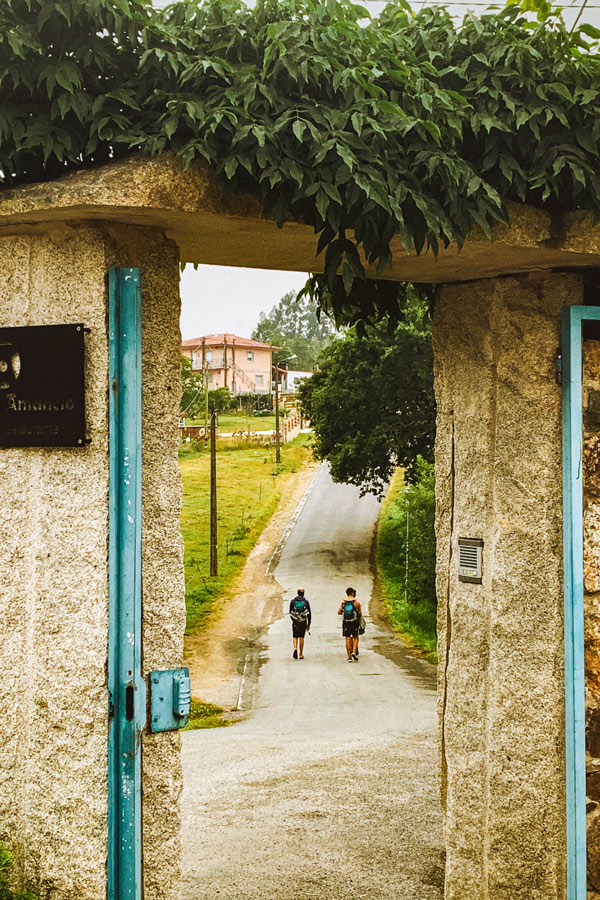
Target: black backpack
299	611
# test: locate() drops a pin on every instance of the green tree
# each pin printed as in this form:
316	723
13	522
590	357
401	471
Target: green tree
371	402
410	125
221	399
192	393
294	325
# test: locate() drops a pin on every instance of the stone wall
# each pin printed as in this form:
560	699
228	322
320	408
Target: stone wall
54	573
501	697
54	577
591	529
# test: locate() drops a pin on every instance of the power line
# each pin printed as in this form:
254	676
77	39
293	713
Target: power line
583	6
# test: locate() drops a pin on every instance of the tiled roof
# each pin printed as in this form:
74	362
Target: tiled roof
218	340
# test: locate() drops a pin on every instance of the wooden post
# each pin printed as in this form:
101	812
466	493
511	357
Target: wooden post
277	436
214	562
205	404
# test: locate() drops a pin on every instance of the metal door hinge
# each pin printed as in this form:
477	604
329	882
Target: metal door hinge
558	366
170	698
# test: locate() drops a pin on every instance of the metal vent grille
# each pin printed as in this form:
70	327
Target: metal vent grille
469	560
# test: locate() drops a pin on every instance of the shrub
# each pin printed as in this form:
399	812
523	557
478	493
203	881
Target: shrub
406	556
6	892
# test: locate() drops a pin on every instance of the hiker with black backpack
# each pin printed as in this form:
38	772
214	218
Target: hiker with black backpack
301	616
351	612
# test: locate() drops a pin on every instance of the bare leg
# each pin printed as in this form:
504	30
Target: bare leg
295	640
355	647
301	648
349	645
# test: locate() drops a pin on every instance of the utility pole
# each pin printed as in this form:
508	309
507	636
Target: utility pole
277	436
205	403
214	561
406	553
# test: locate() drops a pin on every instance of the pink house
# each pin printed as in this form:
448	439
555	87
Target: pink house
237	363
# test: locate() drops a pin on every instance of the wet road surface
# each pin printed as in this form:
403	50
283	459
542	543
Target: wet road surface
328	788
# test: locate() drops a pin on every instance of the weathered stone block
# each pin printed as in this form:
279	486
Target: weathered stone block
498	459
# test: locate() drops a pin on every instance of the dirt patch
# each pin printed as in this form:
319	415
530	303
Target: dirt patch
223	660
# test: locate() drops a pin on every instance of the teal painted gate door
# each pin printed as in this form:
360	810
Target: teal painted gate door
127	700
573	319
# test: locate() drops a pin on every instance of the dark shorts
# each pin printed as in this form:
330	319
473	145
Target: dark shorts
298	628
350	629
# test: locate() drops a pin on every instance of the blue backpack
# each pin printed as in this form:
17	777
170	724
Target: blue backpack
299	610
350	614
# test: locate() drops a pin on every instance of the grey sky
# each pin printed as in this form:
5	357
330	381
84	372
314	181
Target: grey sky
216	299
219	299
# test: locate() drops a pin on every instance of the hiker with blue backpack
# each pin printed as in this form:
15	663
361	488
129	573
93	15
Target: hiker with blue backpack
300	615
351	612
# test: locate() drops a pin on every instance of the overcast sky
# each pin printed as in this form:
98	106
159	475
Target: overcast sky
217	299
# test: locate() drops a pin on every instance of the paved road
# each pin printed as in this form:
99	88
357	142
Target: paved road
328	788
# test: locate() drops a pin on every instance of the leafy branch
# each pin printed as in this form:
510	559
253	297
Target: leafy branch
407	125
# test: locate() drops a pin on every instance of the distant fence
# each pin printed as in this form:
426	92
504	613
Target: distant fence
289	428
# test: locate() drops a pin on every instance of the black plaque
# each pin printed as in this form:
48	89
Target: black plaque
42	392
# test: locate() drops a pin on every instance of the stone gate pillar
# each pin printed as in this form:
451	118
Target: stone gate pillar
501	676
54	570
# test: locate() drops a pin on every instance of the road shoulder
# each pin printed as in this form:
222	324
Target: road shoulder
223	659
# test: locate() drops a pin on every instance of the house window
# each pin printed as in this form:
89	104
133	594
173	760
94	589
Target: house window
194	360
208	356
210	377
259	379
250	355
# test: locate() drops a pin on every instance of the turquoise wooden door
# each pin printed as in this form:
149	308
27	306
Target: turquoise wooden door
573	319
127	710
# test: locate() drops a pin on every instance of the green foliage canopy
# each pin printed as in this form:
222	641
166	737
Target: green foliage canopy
408	124
295	326
192	390
371	403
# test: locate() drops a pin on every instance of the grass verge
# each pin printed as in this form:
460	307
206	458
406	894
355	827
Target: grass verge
414	619
205	715
229	423
249	485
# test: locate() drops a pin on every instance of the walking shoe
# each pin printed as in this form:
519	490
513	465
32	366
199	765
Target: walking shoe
349	659
295	654
355	657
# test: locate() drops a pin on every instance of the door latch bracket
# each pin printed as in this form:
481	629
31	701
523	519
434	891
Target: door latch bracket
170	698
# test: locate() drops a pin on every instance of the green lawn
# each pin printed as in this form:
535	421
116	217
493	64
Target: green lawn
205	715
230	422
248	489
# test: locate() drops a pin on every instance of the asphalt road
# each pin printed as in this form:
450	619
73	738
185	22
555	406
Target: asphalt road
328	787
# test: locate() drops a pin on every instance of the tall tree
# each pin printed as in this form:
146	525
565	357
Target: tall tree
192	393
294	326
371	403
